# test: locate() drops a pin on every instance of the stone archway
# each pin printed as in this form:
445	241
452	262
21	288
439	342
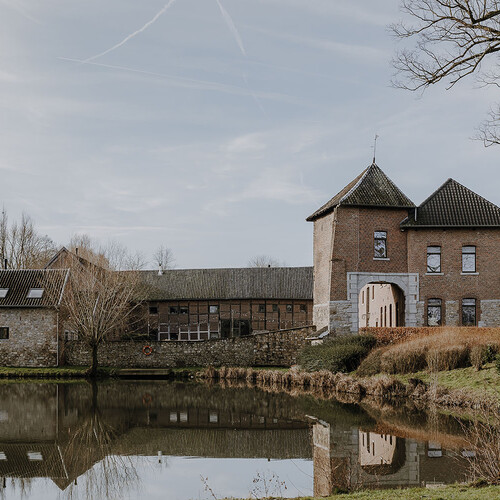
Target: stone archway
407	282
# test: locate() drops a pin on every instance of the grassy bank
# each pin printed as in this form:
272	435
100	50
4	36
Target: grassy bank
61	372
455	492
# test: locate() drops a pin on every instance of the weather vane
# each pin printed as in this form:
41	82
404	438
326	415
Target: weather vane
375	147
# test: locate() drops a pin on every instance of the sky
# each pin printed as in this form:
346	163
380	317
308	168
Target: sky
215	127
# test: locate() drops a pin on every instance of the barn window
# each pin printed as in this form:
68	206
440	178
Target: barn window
275	308
469	312
303	308
3	292
173	310
4	332
380	244
262	308
434	312
468	259
35	293
289	308
433	260
183	310
214	309
153	310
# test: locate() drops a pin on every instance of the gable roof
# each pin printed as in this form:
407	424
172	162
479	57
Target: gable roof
372	188
454	205
20	281
233	283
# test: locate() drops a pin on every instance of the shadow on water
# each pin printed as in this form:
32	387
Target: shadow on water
97	441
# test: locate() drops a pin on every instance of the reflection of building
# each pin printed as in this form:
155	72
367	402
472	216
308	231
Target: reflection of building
348	458
441	257
62	431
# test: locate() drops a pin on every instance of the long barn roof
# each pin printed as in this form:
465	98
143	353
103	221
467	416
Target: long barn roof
233	283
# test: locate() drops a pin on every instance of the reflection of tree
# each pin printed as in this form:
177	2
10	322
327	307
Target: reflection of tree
88	451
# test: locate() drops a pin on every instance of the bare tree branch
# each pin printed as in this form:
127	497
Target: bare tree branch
452	40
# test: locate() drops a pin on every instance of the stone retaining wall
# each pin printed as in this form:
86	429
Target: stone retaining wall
264	349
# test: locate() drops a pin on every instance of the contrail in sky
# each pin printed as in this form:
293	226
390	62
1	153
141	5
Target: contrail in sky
232	27
177	81
135	33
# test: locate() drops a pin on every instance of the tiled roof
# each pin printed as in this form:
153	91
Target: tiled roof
372	188
454	205
234	283
19	282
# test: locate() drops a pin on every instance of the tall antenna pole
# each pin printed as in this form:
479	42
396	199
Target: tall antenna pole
375	148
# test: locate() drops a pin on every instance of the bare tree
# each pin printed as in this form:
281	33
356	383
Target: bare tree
453	39
164	258
21	245
101	300
264	261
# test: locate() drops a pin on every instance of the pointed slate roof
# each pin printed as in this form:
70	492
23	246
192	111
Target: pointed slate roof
372	188
454	205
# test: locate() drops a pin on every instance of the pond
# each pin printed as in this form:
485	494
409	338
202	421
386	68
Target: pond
160	439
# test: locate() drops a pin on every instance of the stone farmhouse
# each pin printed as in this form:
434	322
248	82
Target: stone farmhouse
379	260
30	317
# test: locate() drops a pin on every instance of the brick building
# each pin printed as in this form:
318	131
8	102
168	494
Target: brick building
30	319
379	260
198	304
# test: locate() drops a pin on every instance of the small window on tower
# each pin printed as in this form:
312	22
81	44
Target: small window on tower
380	244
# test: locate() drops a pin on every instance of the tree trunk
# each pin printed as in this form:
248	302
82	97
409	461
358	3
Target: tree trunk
93	368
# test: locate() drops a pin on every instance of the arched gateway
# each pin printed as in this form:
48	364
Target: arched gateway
406	282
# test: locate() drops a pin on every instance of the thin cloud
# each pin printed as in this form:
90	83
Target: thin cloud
232	27
135	33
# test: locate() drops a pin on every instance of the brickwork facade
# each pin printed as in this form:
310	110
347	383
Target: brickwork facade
361	242
266	349
32	337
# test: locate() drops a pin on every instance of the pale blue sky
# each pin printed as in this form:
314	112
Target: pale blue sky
221	126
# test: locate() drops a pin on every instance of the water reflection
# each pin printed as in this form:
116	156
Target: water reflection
130	439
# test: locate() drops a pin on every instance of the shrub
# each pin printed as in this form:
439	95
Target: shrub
404	359
497	363
371	364
341	354
448	358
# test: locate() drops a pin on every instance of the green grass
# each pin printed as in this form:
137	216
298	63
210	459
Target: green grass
455	492
55	372
482	382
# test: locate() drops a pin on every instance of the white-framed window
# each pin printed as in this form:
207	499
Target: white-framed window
213	309
380	245
434	312
3	292
35	293
468	259
469	314
433	260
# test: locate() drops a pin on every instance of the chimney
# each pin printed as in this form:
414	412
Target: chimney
5	261
76	251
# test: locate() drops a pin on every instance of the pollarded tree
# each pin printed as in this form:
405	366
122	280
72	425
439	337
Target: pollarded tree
264	261
100	301
453	39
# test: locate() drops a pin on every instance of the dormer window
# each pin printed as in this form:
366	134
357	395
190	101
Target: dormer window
3	292
35	293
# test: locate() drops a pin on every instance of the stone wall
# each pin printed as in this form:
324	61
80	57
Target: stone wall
490	313
32	338
264	349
